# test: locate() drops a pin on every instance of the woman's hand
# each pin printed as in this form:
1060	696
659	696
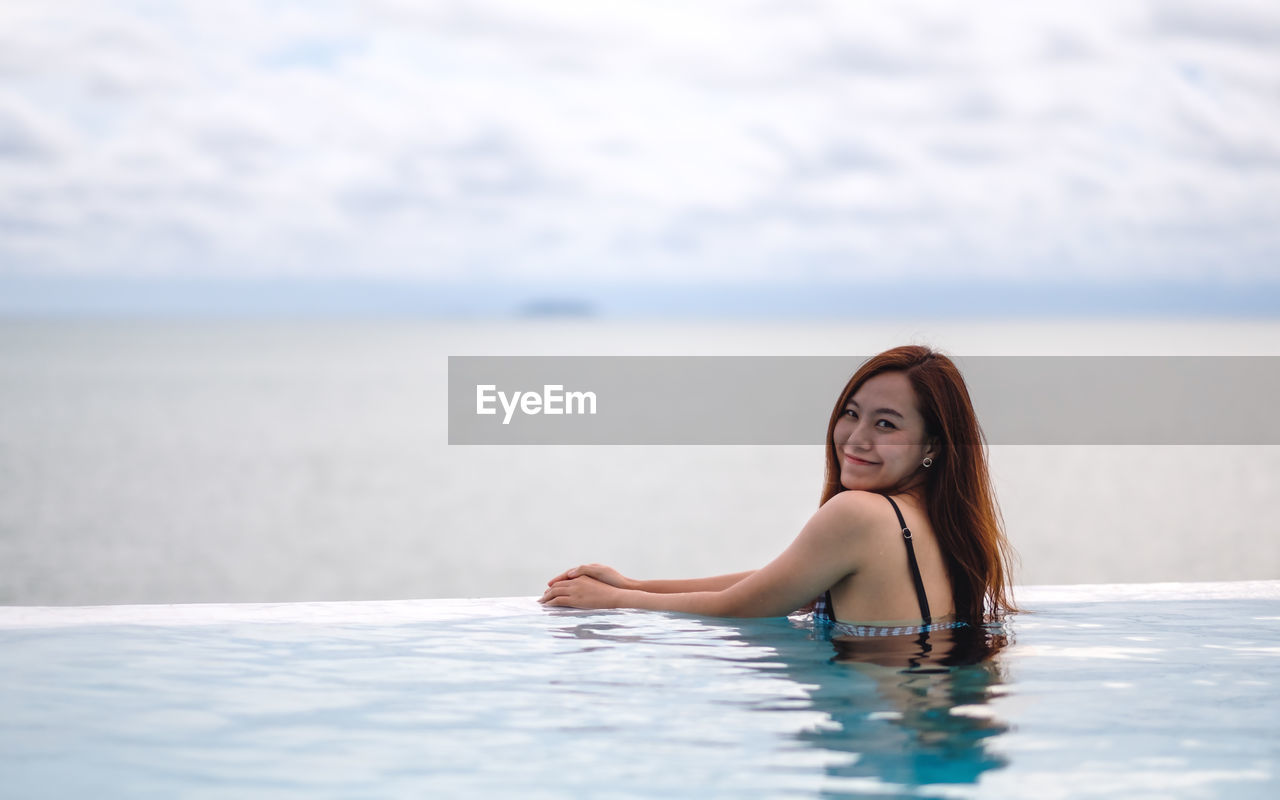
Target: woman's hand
600	572
581	592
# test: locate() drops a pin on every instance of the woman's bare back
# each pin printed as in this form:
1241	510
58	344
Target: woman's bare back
882	590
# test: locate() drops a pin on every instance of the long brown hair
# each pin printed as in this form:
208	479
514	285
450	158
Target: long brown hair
959	498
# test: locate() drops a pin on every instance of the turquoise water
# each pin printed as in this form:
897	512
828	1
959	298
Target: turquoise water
1121	691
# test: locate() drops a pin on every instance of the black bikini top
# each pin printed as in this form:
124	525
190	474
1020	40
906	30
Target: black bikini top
827	608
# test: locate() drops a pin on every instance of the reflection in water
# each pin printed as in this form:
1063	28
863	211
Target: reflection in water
912	709
901	715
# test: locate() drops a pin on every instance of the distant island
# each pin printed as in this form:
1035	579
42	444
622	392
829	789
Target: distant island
557	307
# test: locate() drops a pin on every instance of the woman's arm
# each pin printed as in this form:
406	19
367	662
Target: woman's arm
826	550
611	576
716	584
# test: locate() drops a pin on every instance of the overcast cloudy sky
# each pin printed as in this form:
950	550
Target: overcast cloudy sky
557	140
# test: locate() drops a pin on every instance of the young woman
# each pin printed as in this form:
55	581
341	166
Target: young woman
908	537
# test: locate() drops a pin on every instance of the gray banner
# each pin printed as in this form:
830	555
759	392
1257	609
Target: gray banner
754	400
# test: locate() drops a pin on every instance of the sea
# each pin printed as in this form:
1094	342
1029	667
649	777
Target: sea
184	460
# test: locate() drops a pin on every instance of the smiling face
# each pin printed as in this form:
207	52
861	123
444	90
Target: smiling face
880	436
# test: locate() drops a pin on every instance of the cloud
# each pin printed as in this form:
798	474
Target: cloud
26	135
1233	21
719	140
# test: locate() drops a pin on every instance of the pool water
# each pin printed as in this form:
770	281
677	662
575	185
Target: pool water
1099	691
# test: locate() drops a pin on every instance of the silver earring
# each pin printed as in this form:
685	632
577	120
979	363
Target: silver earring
928	462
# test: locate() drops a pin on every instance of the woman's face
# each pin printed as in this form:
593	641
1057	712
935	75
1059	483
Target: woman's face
879	436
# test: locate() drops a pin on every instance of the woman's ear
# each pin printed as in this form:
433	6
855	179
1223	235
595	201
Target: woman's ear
932	447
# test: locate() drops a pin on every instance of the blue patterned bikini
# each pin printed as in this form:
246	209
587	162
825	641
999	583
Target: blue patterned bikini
824	609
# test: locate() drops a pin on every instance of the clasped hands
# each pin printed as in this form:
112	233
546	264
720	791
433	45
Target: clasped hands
587	586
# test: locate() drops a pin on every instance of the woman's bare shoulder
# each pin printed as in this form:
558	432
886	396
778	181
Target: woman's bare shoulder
866	513
853	522
857	503
856	510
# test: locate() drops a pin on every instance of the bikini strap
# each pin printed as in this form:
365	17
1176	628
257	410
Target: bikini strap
911	559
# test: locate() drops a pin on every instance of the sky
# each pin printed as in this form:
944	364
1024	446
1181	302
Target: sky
661	142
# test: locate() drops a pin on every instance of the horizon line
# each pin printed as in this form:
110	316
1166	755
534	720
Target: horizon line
492	297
